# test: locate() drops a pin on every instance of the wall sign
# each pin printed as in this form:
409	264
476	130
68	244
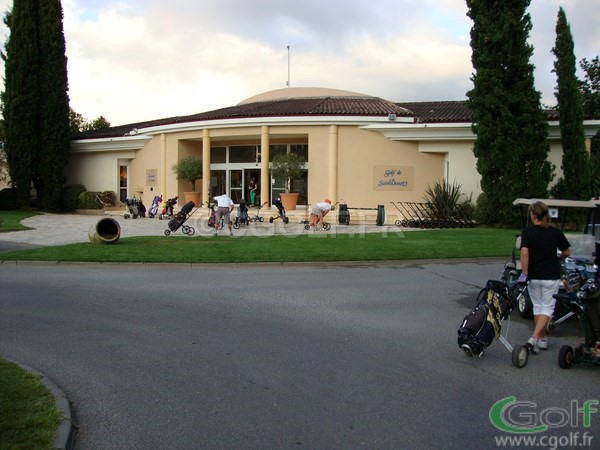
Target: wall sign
393	178
151	177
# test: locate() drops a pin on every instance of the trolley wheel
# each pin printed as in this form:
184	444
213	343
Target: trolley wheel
326	226
125	216
525	306
307	227
261	219
398	223
167	232
270	220
190	231
566	357
520	356
236	224
286	220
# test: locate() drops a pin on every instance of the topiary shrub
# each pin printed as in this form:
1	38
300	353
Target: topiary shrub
89	200
8	199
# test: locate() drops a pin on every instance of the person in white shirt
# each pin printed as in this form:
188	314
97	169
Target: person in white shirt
224	208
318	213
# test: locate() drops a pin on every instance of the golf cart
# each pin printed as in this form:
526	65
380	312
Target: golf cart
578	268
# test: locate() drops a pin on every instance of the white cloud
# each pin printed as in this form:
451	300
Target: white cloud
134	60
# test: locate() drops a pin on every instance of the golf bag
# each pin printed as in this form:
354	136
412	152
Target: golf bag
482	324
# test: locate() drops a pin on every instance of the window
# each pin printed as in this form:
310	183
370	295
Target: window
242	154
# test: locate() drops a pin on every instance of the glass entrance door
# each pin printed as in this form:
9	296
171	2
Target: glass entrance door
122	183
235	185
250	174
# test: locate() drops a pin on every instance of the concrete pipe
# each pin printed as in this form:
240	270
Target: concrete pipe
106	231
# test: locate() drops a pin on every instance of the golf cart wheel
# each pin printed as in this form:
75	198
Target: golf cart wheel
307	227
520	356
125	216
566	357
236	224
270	220
525	305
190	231
167	232
261	219
326	226
286	220
398	223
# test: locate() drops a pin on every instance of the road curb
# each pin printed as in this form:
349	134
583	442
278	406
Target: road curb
64	438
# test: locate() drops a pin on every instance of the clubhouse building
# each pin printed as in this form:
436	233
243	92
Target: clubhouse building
358	149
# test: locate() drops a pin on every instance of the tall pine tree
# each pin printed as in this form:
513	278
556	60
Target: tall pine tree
54	126
574	184
510	126
36	104
21	95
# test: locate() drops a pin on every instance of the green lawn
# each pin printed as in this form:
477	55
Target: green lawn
28	415
431	244
11	220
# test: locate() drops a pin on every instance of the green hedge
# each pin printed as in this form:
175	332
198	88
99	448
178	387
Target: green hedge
8	199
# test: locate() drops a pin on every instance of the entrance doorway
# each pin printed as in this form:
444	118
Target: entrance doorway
237	180
248	175
123	186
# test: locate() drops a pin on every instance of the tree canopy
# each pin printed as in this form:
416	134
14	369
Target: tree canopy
574	183
35	100
509	123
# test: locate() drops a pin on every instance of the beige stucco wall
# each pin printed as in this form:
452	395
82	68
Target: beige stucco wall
461	165
97	171
146	158
358	153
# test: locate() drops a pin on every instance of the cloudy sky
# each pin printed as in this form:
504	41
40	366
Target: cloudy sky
136	60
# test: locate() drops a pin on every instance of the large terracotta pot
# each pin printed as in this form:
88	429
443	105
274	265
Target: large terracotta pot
192	196
289	201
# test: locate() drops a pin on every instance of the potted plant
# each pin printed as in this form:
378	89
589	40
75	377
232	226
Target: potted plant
189	169
287	166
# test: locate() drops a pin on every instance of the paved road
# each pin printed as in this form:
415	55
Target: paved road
180	356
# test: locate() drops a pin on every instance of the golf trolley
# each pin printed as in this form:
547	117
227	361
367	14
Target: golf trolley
179	219
581	304
280	212
483	323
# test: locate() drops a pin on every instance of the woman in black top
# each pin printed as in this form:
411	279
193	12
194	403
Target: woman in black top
540	262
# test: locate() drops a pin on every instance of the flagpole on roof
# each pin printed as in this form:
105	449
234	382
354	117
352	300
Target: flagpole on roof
288	80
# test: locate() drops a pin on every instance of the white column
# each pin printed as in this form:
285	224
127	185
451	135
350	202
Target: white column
333	163
265	179
205	165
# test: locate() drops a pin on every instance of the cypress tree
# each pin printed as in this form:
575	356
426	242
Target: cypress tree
574	183
510	126
54	125
36	105
21	95
590	95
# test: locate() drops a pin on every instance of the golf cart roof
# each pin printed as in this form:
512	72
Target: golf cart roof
554	202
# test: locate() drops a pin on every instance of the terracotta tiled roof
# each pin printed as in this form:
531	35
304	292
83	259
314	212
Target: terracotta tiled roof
439	112
425	112
317	106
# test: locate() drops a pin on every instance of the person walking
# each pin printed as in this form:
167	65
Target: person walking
252	186
224	207
540	262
